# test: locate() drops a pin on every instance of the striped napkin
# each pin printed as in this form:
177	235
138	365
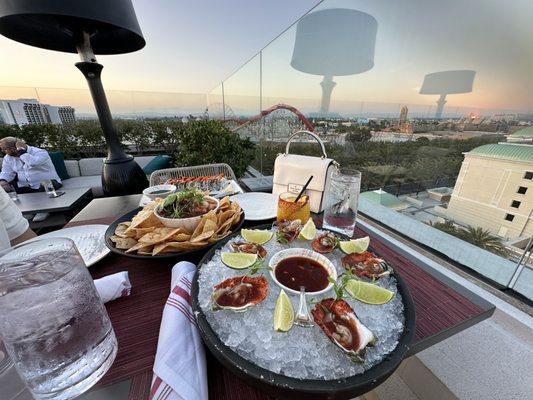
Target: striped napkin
180	367
113	286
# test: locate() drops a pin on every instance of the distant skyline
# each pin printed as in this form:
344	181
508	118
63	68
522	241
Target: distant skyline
192	46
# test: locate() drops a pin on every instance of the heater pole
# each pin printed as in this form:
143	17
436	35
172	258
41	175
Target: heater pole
121	174
440	106
327	87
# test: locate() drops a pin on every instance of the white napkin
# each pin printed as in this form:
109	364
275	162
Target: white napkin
180	371
112	287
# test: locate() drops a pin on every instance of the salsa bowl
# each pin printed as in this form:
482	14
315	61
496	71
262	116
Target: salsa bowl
189	224
301	253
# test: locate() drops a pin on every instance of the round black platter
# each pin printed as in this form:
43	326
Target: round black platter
110	231
281	386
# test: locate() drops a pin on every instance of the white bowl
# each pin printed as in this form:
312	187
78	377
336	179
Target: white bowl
169	189
189	224
299	252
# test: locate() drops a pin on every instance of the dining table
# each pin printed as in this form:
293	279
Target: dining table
443	308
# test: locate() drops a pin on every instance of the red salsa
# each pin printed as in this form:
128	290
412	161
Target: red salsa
294	272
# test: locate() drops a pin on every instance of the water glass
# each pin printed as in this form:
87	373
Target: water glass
49	188
54	325
341	200
10	384
13	195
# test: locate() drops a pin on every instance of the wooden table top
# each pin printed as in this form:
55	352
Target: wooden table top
443	309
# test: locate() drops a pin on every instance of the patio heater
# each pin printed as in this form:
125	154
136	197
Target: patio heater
447	82
87	28
334	42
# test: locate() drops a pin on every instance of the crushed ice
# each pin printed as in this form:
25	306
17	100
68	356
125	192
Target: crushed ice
304	353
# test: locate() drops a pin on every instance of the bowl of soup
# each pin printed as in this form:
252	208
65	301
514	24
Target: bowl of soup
296	267
159	191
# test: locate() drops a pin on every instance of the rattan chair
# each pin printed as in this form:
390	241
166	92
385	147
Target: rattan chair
161	176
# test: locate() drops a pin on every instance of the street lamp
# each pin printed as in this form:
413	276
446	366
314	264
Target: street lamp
447	82
332	42
86	27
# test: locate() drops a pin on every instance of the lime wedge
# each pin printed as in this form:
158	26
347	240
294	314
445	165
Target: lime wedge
283	313
368	292
355	245
238	260
308	232
256	236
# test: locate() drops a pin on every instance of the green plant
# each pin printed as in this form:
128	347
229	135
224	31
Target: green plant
9	130
90	138
165	134
136	132
207	142
477	236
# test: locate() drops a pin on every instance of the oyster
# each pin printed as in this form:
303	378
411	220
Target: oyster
288	230
366	265
340	324
325	243
252	248
239	293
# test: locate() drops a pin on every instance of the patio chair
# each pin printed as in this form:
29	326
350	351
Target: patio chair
161	176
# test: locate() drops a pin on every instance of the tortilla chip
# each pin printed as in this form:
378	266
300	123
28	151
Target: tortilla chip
145	251
223	205
158	235
137	233
180	237
145	219
224	216
124	243
199	229
138	246
121	229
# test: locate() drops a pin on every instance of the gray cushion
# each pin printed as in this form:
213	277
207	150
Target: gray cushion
91	166
73	168
94	182
144	160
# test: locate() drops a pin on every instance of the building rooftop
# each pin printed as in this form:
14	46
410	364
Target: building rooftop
524	133
505	151
385	199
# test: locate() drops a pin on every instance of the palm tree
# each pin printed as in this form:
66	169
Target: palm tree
483	238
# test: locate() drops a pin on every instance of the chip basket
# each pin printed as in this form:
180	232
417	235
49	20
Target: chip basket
161	176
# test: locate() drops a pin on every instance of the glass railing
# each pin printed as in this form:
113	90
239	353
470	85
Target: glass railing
401	90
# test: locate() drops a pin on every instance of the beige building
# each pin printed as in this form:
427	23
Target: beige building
494	190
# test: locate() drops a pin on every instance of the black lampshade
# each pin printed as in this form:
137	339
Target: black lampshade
58	24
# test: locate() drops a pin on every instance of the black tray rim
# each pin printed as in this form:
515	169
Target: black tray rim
110	231
283	386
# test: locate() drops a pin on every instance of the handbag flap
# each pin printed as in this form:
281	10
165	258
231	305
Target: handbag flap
296	169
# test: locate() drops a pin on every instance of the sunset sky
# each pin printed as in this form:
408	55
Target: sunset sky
192	46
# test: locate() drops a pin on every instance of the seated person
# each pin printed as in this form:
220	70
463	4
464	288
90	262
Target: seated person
14	228
25	167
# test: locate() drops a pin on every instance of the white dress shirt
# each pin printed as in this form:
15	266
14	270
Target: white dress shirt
31	168
12	223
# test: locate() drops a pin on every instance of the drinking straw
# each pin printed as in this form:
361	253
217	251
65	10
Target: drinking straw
303	189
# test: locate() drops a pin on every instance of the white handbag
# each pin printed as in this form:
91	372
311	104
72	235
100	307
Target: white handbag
291	172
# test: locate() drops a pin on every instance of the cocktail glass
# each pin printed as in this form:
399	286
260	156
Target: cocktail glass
289	210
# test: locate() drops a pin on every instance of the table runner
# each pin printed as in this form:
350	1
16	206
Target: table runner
136	319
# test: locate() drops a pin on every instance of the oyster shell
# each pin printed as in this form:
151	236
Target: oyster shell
239	293
366	265
288	230
325	243
252	248
340	324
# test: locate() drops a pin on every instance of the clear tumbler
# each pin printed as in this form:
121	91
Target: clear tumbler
54	325
341	201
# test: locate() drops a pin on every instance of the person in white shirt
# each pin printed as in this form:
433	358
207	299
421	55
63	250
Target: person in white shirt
14	228
25	167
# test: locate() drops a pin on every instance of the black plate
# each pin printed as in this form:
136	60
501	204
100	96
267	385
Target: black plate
281	386
110	231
